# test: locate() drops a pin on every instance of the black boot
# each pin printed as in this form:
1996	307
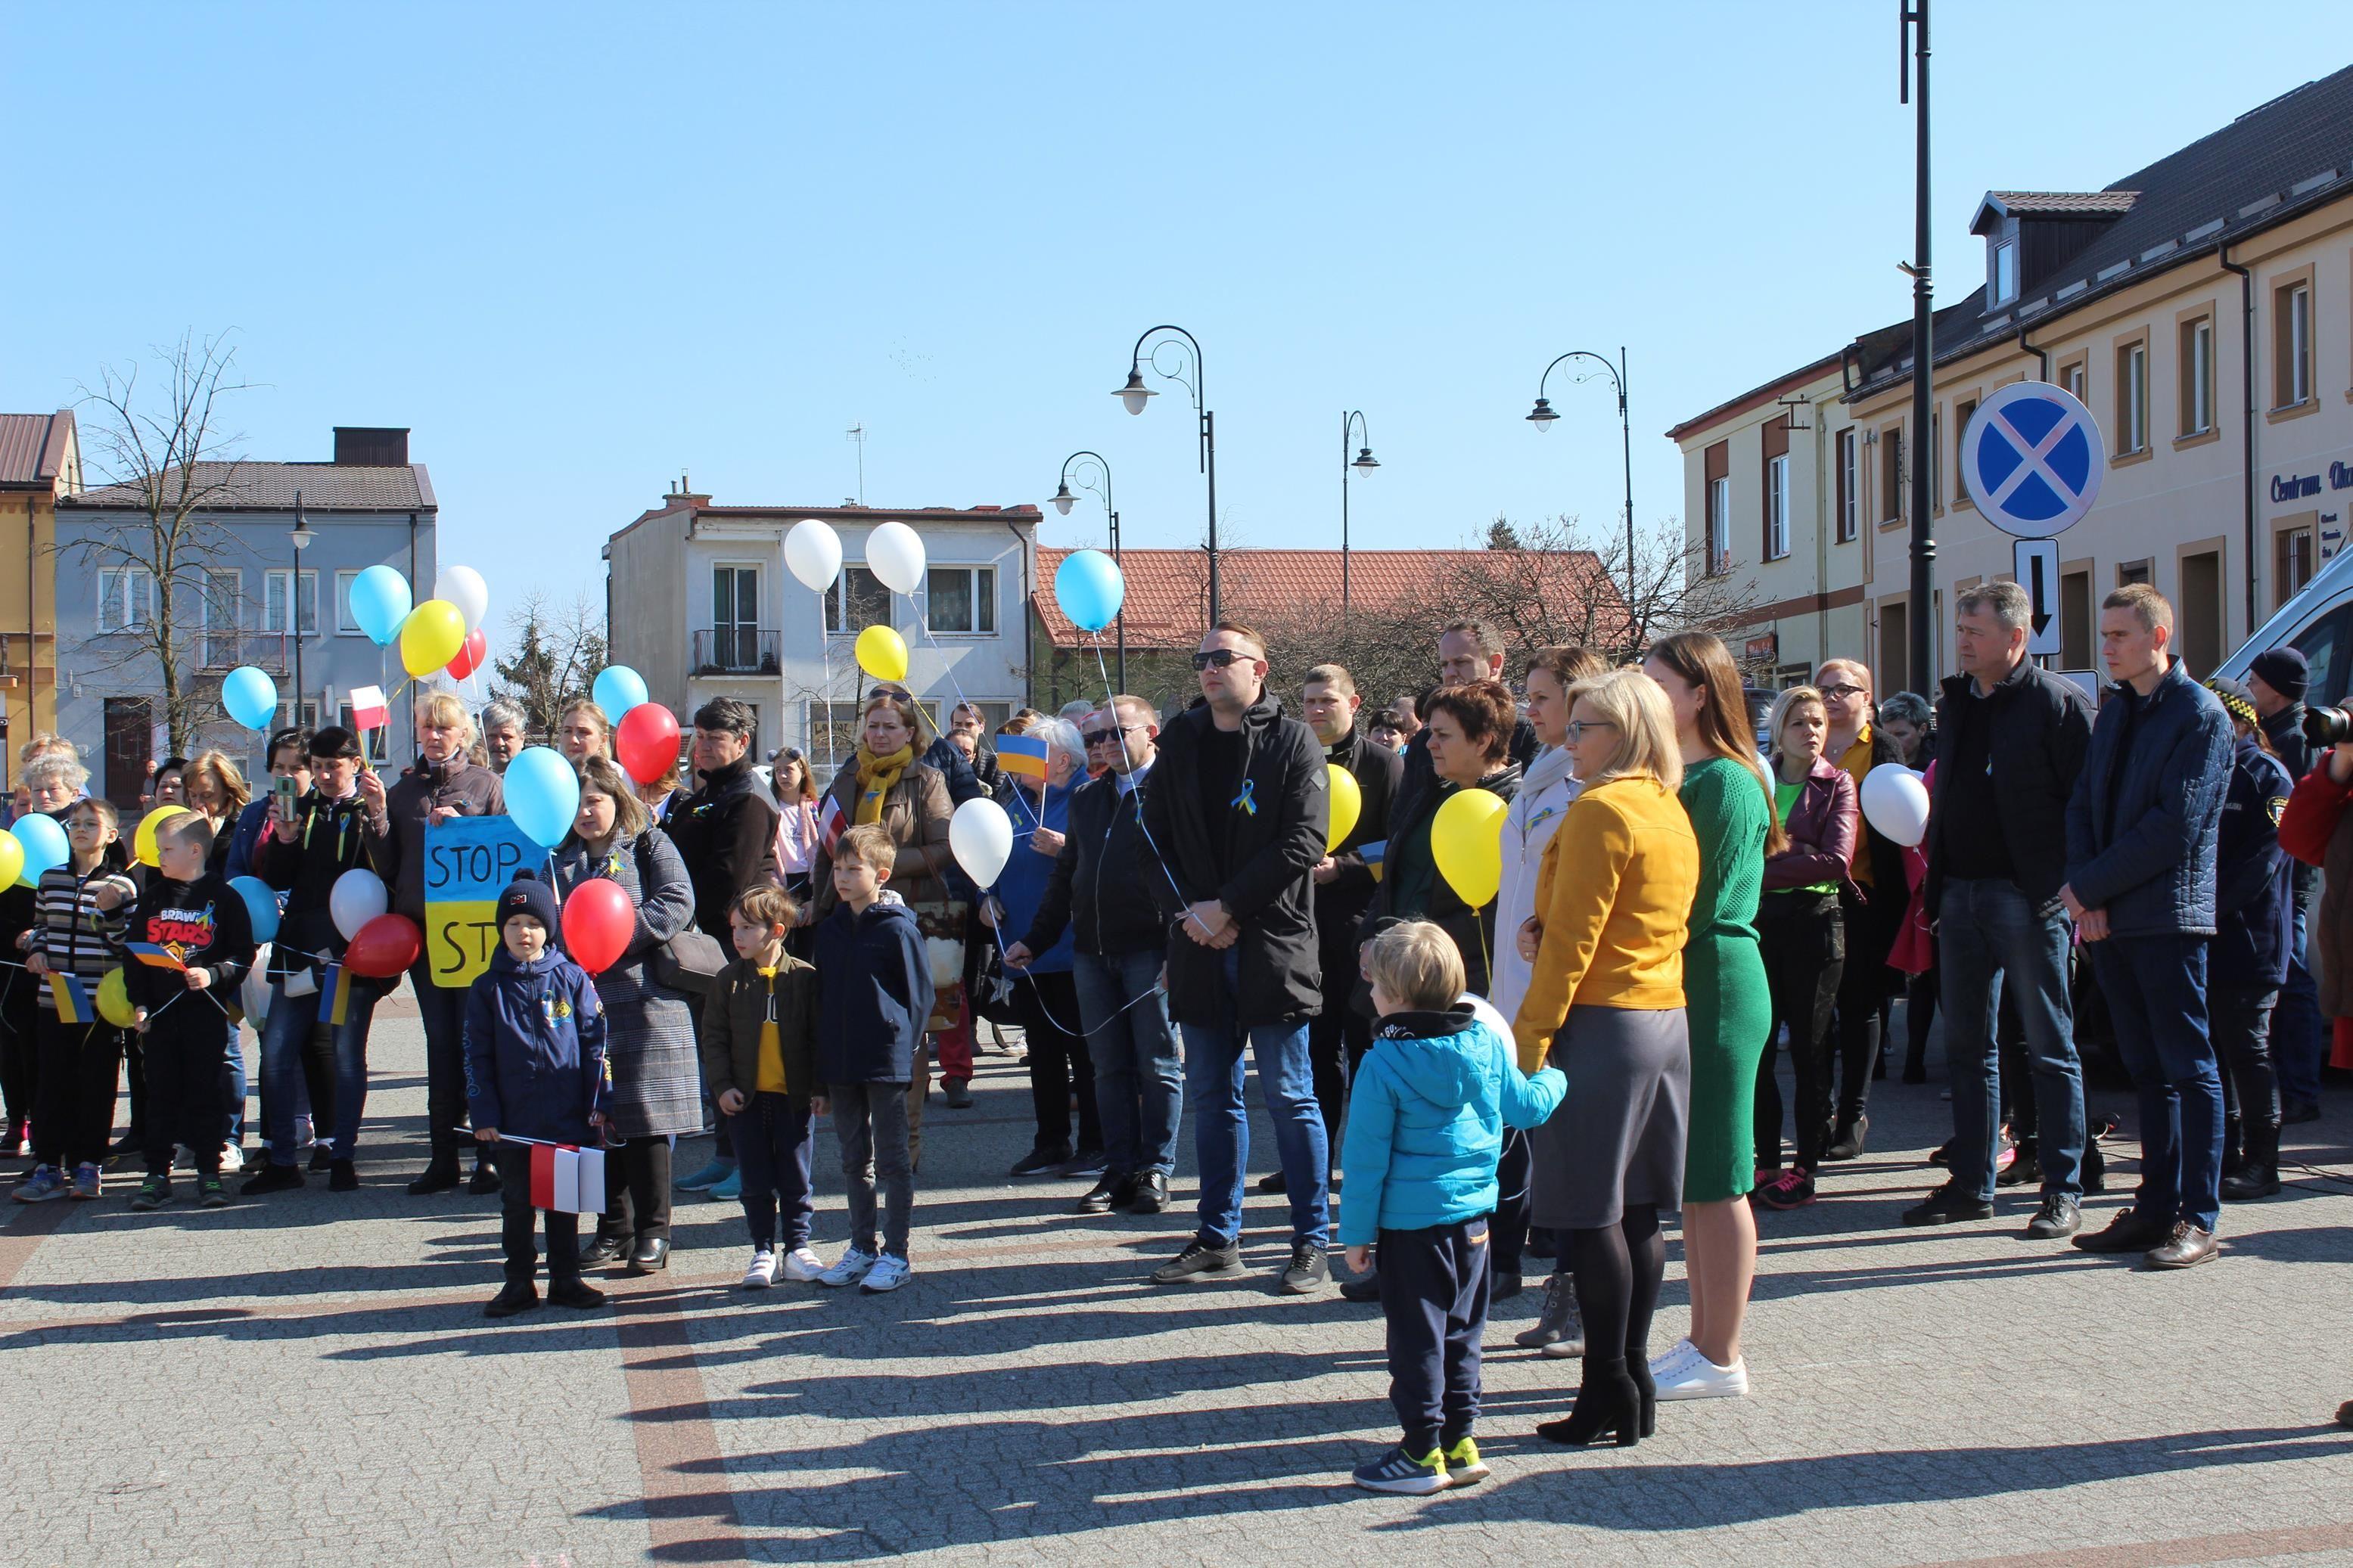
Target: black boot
1608	1404
2258	1176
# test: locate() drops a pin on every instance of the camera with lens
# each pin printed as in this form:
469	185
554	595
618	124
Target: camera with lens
2328	726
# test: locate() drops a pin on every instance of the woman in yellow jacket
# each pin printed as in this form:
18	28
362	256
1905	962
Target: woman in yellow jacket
1605	1004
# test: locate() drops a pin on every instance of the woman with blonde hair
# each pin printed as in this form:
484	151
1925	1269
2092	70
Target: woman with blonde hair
1727	1002
1605	1004
217	792
442	784
582	731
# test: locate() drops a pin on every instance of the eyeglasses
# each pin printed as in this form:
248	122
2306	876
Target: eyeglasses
1220	657
1841	692
1577	727
1107	737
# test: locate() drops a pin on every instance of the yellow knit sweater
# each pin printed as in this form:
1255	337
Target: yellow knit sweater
1615	896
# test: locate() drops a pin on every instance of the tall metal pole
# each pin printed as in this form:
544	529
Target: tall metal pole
294	619
1209	466
1626	444
1119	620
1134	393
1922	454
1346	419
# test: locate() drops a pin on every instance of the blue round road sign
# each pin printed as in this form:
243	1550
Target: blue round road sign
2033	459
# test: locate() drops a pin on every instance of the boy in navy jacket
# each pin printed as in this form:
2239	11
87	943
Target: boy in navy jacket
535	1069
2255	928
875	993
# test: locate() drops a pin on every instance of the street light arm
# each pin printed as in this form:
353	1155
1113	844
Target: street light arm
1137	362
1354	420
1103	468
1615	381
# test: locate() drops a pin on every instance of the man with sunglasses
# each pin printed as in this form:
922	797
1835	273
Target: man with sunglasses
1103	883
1239	810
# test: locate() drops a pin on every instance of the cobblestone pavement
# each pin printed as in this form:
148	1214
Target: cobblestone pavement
309	1379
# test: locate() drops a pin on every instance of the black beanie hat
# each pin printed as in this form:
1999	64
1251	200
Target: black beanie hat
2284	670
529	896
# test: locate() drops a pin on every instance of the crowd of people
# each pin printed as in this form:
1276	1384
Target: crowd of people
1550	1070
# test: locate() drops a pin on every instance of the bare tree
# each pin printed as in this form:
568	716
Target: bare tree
558	651
172	462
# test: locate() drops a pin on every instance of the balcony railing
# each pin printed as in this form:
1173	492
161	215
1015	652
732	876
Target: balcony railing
226	649
737	650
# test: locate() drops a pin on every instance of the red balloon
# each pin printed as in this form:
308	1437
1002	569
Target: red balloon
599	921
646	741
471	654
384	948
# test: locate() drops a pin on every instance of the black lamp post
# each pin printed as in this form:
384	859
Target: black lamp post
1923	652
1542	416
1364	463
1064	500
1134	394
301	536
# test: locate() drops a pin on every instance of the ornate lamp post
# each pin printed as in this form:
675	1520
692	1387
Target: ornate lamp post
1363	463
1541	417
1186	359
1062	503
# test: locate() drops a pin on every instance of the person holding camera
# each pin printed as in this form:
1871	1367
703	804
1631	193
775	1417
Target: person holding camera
2278	680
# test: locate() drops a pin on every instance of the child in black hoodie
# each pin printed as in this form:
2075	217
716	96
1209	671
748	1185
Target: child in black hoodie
189	934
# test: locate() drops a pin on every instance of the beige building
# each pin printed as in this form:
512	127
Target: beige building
2202	308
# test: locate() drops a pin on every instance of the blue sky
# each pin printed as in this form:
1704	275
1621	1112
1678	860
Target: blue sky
580	249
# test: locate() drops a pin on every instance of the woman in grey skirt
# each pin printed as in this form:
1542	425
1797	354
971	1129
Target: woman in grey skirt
650	1028
1605	1002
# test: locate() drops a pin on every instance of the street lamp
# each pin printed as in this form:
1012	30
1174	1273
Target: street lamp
1136	395
302	535
1364	463
1064	500
1542	416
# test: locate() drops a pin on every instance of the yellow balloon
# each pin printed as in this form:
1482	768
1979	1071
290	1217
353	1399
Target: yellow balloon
1466	839
12	859
114	1000
143	843
882	653
1347	805
431	637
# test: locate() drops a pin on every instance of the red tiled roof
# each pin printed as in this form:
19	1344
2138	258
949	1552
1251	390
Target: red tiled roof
32	447
1168	590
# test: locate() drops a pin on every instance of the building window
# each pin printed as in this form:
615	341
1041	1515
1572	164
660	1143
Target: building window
735	617
2292	345
224	605
1776	507
2075	620
832	735
2197	377
2072	380
1850	485
274	585
2132	398
2005	272
344	624
2131	571
858	600
126	598
962	598
2293	563
1963	412
1891	474
1719	527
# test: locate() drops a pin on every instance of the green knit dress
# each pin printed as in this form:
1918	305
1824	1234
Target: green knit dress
1729	1007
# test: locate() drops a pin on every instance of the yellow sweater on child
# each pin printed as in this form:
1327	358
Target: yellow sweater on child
1614	893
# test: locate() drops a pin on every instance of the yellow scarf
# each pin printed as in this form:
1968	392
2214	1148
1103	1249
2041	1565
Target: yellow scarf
876	777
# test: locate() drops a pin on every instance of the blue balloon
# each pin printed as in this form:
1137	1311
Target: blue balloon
1089	587
543	795
260	904
250	697
380	602
45	845
618	689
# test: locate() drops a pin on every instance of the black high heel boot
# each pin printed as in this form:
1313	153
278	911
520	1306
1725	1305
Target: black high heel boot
1646	1388
1606	1402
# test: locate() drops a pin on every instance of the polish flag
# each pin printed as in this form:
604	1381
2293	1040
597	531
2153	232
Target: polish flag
831	825
567	1179
369	710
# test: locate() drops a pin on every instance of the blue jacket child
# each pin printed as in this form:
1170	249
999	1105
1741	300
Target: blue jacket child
1426	1120
873	992
535	1036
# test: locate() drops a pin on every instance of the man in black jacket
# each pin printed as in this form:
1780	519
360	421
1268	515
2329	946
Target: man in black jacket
2278	680
1239	810
2010	739
1102	880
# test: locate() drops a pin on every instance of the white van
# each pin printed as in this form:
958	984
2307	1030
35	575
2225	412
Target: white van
2317	623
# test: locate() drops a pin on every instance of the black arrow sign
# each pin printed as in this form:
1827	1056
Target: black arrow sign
2042	615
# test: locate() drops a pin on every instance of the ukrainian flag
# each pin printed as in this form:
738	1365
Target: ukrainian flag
336	983
72	998
1023	756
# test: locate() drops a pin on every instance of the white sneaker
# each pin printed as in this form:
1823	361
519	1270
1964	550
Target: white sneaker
232	1158
889	1272
855	1261
1692	1376
801	1265
762	1272
1667	1367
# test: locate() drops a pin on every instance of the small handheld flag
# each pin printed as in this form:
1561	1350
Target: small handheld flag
336	986
72	998
831	825
369	710
156	955
1023	756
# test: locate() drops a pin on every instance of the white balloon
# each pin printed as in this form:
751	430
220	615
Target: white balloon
1895	802
813	552
1487	1013
981	837
463	586
894	553
357	897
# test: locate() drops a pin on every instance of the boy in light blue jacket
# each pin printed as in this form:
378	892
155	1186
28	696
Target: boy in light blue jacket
1426	1119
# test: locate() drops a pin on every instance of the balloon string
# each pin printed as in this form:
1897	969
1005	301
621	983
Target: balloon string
825	692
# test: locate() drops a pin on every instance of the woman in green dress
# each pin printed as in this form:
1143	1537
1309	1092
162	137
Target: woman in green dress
1729	800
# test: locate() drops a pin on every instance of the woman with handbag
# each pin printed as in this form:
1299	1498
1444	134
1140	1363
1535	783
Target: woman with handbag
650	1029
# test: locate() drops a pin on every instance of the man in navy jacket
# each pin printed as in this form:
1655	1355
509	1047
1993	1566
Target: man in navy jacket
2142	829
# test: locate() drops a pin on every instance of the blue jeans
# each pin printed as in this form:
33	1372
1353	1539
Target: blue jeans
289	1039
2155	988
2299	1033
236	1086
1988	934
1213	1077
1139	1081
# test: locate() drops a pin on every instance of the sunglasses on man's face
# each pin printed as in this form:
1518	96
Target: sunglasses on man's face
1109	737
1220	656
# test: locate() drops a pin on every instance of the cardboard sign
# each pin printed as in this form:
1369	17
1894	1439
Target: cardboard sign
468	860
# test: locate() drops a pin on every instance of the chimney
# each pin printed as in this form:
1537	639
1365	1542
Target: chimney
685	495
371	446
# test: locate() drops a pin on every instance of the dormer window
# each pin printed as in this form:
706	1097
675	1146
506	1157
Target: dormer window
2002	283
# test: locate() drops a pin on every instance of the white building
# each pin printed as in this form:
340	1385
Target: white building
698	601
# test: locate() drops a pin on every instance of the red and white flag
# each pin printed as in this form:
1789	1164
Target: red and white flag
831	824
567	1179
369	710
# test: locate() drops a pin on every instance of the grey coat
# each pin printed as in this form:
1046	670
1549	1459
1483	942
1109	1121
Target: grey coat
650	1028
